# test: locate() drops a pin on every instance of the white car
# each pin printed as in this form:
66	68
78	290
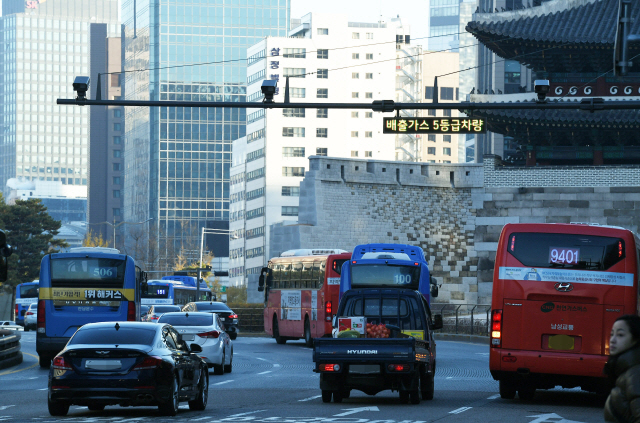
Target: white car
206	330
10	325
31	317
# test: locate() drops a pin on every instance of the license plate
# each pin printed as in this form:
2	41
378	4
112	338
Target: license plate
561	342
103	364
187	337
364	368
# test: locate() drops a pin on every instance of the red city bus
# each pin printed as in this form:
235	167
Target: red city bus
301	289
557	289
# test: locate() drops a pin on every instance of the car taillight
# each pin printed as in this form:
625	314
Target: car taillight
41	317
330	367
150	362
496	328
29	313
233	316
60	364
398	367
212	334
17	311
154	317
131	312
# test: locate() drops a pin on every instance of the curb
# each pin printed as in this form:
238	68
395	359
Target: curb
474	339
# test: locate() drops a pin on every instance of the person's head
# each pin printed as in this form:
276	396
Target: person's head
625	334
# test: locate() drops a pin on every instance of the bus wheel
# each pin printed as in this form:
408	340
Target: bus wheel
507	390
308	340
326	396
276	332
527	393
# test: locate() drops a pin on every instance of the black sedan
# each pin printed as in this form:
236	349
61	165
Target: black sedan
228	317
128	364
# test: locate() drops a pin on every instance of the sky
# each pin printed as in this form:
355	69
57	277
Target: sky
412	12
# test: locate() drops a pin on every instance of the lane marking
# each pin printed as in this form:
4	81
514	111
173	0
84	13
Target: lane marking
4	407
310	398
356	410
460	410
26	368
221	383
496	396
264	373
263	359
276	365
43	389
244	414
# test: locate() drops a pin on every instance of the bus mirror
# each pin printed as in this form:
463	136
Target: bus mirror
437	321
334	322
261	283
144	286
434	291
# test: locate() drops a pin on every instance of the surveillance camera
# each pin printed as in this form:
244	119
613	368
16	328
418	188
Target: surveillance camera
269	87
81	86
541	87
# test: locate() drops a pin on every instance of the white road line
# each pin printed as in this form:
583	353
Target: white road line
244	414
43	389
263	359
449	377
221	383
4	407
496	396
460	410
310	398
264	373
276	365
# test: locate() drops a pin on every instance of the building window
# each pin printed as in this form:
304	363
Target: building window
369	56
323	53
368	134
323	31
354	134
296	112
115	80
323	73
289	211
355	35
116	166
321	151
291	191
116	212
368	115
431	150
322	93
355	56
368	153
446	151
298	92
446	112
117	126
355	75
369	76
428	93
354	153
369	35
116	180
293	132
117	153
354	114
117	113
295	53
368	95
116	193
355	95
292	151
295	72
431	138
431	112
446	93
293	171
117	140
322	113
321	132
446	138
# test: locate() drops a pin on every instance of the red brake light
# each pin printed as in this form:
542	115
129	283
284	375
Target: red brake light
513	243
416	264
60	364
509	359
212	334
398	367
496	328
233	316
17	311
328	308
151	362
330	367
131	312
29	313
154	317
354	262
620	249
41	317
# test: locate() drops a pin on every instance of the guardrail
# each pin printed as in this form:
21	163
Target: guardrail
467	319
10	353
250	319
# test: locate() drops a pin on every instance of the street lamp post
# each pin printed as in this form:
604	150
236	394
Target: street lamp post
115	225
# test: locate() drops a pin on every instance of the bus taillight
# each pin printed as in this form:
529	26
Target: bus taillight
328	309
40	323
496	328
131	312
17	312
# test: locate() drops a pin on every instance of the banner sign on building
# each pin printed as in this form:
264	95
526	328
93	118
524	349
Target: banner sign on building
398	125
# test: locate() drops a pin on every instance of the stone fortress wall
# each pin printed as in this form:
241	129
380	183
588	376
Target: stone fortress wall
455	212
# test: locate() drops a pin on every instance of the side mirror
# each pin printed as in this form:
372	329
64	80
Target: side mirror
434	291
264	273
195	348
437	321
334	322
144	287
261	283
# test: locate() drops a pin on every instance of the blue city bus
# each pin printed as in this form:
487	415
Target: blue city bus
191	281
26	294
166	291
388	266
85	285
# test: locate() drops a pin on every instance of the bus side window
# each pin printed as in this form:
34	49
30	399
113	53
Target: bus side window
307	274
296	275
276	274
315	275
321	272
286	275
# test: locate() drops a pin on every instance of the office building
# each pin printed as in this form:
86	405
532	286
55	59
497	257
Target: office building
444	25
177	160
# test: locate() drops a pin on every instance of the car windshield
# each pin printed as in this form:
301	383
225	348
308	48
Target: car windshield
213	306
165	309
109	335
186	320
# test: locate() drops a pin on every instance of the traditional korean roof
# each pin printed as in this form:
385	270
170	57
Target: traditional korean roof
558	36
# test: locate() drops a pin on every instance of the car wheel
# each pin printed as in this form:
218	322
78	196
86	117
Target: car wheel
507	390
233	336
308	340
58	408
326	396
96	407
427	386
229	367
26	328
276	332
170	407
45	361
200	403
218	369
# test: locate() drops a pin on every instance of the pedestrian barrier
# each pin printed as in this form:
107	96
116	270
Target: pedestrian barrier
10	353
250	319
467	319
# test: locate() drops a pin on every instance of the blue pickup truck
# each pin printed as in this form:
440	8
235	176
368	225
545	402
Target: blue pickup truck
403	360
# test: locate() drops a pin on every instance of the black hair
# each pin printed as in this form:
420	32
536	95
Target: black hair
633	322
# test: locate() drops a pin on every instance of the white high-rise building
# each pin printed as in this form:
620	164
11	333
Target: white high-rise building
328	59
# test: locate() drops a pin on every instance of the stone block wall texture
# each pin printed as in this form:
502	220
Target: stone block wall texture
454	212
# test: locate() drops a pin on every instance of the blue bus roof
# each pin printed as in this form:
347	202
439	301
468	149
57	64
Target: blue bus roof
92	254
413	252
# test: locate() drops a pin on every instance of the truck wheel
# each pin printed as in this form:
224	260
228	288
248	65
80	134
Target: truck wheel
337	396
308	340
326	396
276	333
427	386
526	393
507	390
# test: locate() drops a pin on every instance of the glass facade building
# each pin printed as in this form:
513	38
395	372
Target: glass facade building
444	25
177	160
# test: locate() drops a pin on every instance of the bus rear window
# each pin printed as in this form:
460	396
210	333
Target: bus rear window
379	275
566	251
87	272
29	291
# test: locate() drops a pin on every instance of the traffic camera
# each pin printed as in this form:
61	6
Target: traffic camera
81	86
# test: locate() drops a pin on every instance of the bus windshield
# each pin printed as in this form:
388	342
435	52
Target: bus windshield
28	291
385	275
71	272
